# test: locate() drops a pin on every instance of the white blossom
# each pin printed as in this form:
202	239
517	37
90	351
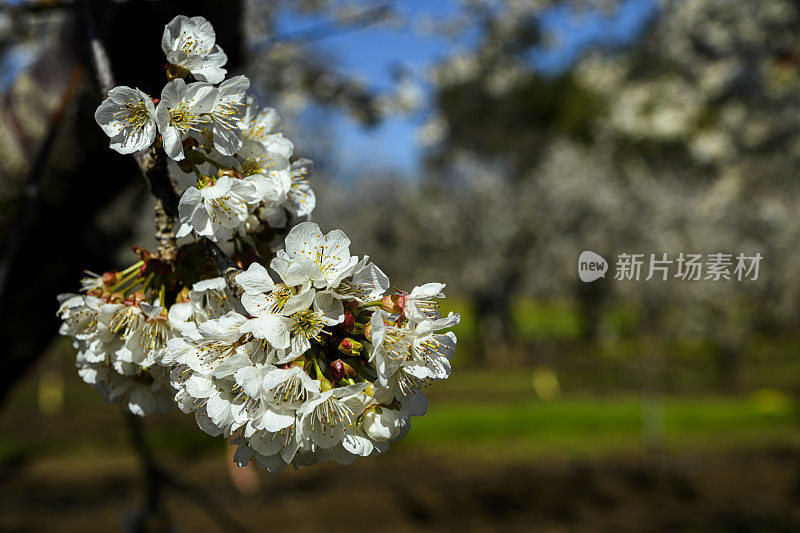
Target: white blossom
254	158
296	326
226	114
311	256
183	109
299	200
266	128
216	211
190	43
310	362
128	116
274	381
381	424
208	299
325	418
101	333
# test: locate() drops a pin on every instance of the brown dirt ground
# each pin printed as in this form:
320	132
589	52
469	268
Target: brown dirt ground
407	490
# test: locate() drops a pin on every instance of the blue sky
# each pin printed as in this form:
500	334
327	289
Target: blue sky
372	52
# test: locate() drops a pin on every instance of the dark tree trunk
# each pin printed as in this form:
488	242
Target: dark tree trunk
729	356
496	335
590	298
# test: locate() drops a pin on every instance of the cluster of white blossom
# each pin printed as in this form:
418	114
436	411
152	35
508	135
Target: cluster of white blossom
112	354
121	323
236	154
322	364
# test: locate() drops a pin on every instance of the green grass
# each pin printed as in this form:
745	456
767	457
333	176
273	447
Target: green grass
546	320
609	425
533	320
485	411
511	423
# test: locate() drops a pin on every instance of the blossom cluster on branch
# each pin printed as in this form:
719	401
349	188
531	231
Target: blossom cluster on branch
318	360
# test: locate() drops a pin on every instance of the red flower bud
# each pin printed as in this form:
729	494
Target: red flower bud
349	322
350	347
143	254
337	369
341	370
349	371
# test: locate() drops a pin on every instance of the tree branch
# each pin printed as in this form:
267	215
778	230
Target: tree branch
205	501
157	479
153	477
226	265
330	28
152	162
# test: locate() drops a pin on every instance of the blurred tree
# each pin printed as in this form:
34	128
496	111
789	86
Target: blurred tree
495	107
704	119
684	141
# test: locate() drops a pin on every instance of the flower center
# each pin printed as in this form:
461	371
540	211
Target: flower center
223	208
213	353
290	391
181	118
192	45
409	384
154	336
124	319
307	324
329	415
252	165
397	346
259	164
133	114
216	302
279	296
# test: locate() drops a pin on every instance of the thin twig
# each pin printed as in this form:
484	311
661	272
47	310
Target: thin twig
329	28
100	62
157	478
153	164
153	478
213	508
